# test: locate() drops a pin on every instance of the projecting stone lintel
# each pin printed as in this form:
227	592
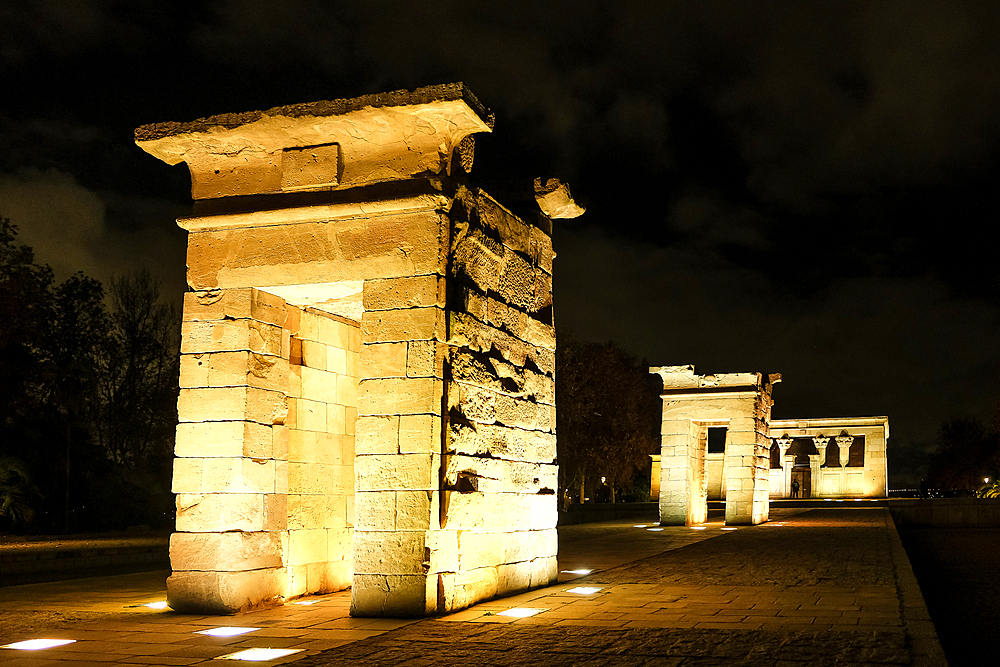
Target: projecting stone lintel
324	145
683	377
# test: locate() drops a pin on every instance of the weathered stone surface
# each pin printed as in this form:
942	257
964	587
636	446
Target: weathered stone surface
234	304
402	325
229	335
377	472
409	292
231	404
231	369
399	396
219	512
223	592
226	552
399	596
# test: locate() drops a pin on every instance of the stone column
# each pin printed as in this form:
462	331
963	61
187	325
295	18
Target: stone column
844	442
682	469
230	471
787	463
821	442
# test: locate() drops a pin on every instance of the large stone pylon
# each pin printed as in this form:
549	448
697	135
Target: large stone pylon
368	361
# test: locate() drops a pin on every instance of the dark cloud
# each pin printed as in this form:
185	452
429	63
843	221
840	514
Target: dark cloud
800	187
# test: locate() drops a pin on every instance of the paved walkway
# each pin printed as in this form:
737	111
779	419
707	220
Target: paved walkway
812	587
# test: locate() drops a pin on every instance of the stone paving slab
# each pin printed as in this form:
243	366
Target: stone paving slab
812	587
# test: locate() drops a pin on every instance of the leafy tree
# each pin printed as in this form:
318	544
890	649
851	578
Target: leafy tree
967	453
608	416
17	491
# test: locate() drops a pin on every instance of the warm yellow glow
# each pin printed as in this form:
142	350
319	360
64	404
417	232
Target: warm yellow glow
640	525
584	590
38	644
729	528
577	571
162	604
259	654
697	527
654	529
306	602
226	631
520	612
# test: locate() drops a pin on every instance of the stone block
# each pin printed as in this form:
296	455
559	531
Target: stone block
233	551
477	549
384	326
425	359
376	472
187	475
314	355
336	419
419	434
306	511
234	304
310	415
399	396
347	391
276	512
337	361
377	434
224	592
375	510
513	577
383	360
408	292
399	596
238	475
235	438
314	252
415	510
219	512
229	336
319	385
389	552
231	404
307	546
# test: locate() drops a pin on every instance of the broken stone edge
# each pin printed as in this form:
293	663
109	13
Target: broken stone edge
425	95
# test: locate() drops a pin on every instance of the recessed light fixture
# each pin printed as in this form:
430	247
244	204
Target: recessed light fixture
226	631
697	527
162	604
306	602
38	644
728	528
639	525
584	590
654	530
260	654
520	612
577	571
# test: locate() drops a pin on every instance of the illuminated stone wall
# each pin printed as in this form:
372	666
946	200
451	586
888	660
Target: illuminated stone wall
368	361
740	402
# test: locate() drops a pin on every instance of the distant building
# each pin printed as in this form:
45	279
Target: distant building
718	441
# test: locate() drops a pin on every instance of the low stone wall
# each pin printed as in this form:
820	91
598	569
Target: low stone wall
946	512
610	512
19	560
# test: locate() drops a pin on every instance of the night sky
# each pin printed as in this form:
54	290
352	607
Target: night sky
793	187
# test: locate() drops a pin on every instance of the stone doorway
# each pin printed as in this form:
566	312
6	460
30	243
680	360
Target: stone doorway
804	477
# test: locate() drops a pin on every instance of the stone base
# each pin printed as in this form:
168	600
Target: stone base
224	592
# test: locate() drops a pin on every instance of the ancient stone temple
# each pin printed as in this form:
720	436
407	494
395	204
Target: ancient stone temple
693	407
718	442
367	371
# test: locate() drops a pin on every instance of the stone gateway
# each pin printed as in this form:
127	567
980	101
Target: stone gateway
368	361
